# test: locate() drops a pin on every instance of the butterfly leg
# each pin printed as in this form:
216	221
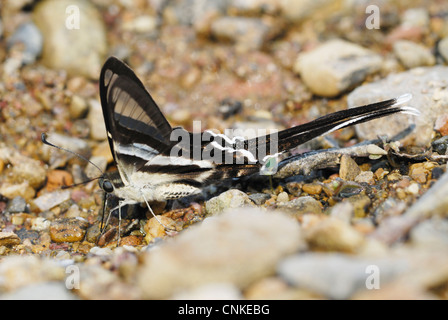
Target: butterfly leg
153	214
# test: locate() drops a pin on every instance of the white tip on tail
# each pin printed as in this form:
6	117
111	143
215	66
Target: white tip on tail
403	98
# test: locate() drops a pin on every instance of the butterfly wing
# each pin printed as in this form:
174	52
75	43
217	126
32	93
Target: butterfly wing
136	128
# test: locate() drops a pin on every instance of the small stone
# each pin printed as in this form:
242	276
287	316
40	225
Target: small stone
259	198
227	200
412	54
67	36
23	190
343	211
16	205
29	171
96	120
431	233
336	276
294	188
301	205
237	247
68	229
31	38
365	177
427	85
41	291
441	124
418	172
360	202
336	66
334	235
282	197
141	24
213	291
58	178
78	107
349	168
9	239
51	199
246	32
154	228
312	188
443	48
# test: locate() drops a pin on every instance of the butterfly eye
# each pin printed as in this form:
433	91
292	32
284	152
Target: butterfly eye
106	185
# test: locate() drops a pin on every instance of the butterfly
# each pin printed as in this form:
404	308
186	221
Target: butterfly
157	162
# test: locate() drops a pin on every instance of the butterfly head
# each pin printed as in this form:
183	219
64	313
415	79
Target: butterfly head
110	182
106	185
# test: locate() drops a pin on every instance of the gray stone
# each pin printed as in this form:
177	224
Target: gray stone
431	233
237	247
29	35
16	205
301	205
336	66
428	87
412	54
336	276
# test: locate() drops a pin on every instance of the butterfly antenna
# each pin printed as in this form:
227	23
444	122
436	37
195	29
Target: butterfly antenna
43	137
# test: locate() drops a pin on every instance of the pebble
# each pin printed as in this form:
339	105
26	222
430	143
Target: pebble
426	84
237	247
70	143
301	205
412	54
21	271
16	205
431	233
336	275
365	177
300	10
96	120
333	235
31	38
141	24
259	198
66	42
336	66
360	203
212	291
68	229
9	239
312	188
78	107
23	190
282	197
154	229
443	48
41	291
230	199
51	199
348	169
246	32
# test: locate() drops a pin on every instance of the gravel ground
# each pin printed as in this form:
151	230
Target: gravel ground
351	221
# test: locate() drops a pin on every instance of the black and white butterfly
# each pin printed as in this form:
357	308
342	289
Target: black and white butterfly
154	166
